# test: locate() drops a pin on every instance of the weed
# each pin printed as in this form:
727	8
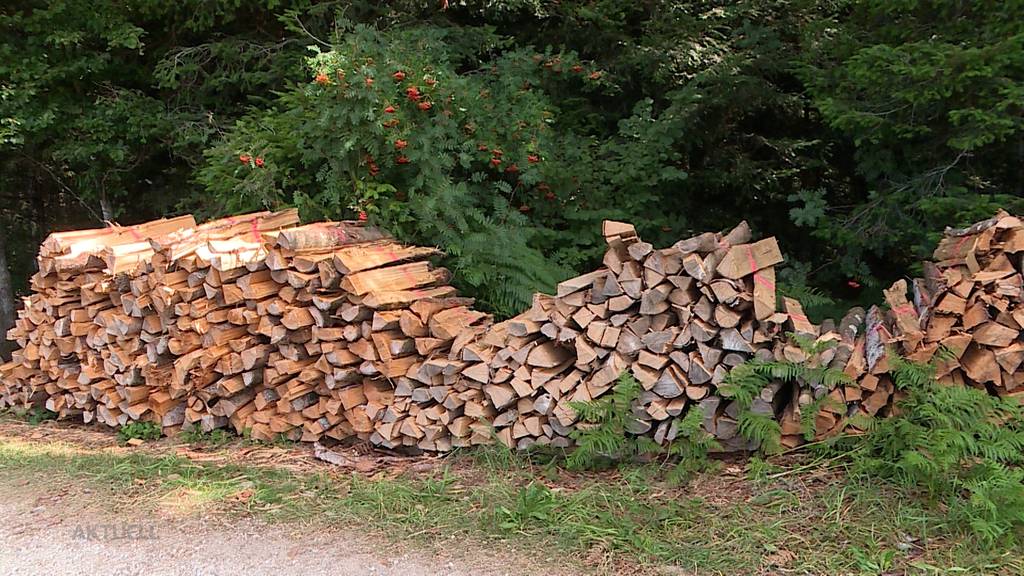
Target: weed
140	430
533	504
34	416
196	435
39	415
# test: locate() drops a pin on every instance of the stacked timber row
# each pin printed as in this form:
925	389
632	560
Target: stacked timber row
969	303
249	322
965	317
677	318
335	330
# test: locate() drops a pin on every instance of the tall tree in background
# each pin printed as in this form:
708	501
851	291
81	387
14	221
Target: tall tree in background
6	297
931	95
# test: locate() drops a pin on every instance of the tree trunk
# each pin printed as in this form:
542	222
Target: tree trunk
106	209
6	299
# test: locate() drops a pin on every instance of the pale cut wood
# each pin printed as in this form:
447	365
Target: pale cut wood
745	259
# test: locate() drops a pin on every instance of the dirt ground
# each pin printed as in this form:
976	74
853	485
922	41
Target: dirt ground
44	535
48	531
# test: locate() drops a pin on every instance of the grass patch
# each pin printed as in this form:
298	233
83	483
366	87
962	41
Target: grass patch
805	522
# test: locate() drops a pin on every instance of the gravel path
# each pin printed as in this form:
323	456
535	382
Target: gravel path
52	536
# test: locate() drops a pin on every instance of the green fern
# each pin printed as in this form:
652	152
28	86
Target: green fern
763	428
745	382
793	283
691	446
809	413
603	438
961	447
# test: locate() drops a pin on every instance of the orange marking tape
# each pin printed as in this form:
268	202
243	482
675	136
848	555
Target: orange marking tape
759	279
339	234
750	258
956	249
408	276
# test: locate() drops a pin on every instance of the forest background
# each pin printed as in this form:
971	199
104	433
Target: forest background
504	131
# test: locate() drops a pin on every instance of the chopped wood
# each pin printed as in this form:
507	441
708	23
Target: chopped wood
333	330
745	259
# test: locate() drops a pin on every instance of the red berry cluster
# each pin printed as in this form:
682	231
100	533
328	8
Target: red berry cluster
246	159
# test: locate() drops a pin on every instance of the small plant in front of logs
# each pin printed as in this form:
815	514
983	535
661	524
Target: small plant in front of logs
196	435
745	382
39	415
605	434
138	430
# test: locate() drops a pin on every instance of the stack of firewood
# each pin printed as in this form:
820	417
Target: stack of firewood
94	330
336	330
965	317
345	325
246	321
969	303
676	318
69	317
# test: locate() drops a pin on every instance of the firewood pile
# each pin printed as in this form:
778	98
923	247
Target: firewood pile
250	322
677	318
333	329
969	303
965	317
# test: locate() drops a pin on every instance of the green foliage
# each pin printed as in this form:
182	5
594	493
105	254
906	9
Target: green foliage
928	94
961	447
139	430
793	282
602	434
410	128
606	434
533	504
196	435
744	383
691	447
850	130
36	415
